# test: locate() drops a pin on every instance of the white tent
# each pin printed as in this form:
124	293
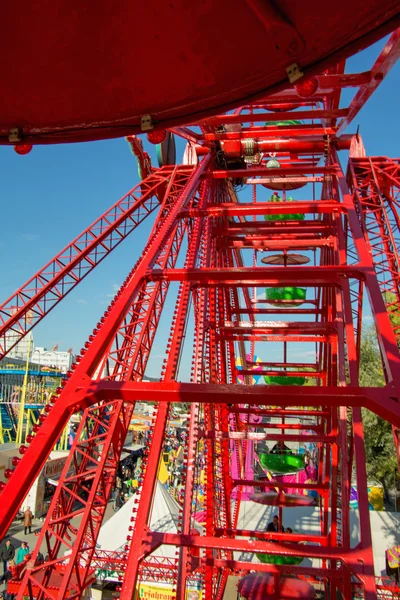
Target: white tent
164	517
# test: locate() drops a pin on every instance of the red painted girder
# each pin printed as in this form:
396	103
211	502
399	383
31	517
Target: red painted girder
201	305
257	437
263	276
263	535
279	327
322	488
94	459
268	116
248	337
270	181
273	373
276	437
54	281
307	428
277	230
300	147
384	63
381	232
186	133
77	389
32	462
170	251
181	314
284	365
263	208
129	353
278	172
386	338
273	132
326	83
379	400
136	549
276	311
242	567
288	146
287	244
281	412
352	557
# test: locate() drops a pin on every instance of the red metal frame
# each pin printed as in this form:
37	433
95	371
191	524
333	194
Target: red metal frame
351	233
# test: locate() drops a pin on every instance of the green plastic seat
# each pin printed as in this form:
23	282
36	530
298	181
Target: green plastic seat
290	217
283	380
285	293
272	559
284	462
284	123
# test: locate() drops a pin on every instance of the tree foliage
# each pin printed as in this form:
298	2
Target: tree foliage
379	444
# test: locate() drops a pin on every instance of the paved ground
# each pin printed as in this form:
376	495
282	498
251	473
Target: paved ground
17	535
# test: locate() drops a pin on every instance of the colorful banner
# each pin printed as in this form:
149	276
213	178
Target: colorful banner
239	366
375	497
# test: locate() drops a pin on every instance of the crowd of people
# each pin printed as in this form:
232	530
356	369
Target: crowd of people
11	559
127	478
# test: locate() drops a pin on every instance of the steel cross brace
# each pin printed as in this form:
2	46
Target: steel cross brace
38	296
135	552
77	394
382	401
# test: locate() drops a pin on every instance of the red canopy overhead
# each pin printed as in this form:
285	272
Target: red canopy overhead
74	71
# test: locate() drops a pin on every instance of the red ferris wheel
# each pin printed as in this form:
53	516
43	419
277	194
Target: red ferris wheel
294	264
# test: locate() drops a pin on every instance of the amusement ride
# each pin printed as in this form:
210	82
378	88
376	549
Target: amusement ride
269	244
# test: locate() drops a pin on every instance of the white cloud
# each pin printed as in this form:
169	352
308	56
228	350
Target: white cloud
115	287
305	354
30	237
82	301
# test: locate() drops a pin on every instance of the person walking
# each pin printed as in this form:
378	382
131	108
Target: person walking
119	501
7	553
22	551
28	516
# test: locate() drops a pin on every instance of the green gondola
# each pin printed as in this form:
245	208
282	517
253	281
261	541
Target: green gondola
283	123
283	380
284	462
289	217
273	559
274	295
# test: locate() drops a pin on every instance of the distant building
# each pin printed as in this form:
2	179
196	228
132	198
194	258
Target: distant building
41	356
20	351
52	358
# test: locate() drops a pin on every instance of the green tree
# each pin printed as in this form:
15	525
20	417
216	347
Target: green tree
371	371
379	444
393	308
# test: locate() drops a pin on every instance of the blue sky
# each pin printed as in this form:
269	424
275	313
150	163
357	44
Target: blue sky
52	194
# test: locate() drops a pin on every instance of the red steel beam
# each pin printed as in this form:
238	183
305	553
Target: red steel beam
265	276
38	296
379	400
73	394
384	63
228	119
263	208
277	172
